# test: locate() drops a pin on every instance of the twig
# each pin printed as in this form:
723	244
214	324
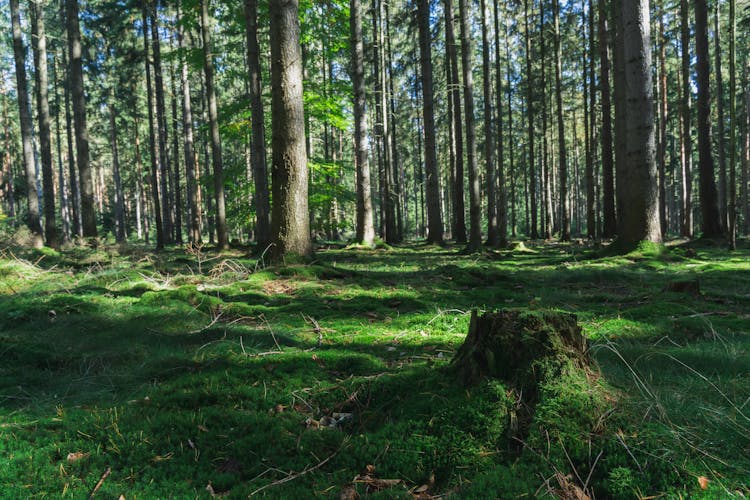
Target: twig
270	330
101	482
306	470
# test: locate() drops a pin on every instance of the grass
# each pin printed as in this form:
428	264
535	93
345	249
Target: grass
178	371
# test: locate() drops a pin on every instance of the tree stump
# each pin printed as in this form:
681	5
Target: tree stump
519	346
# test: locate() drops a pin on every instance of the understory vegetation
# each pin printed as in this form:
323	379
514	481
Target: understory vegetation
197	374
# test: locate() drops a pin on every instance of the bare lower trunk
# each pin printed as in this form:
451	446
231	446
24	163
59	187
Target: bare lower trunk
562	152
489	140
365	230
686	141
454	88
290	218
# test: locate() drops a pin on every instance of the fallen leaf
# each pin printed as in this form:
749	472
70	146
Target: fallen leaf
703	482
76	456
370	469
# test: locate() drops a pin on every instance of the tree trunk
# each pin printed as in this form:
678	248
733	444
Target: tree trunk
24	112
711	223
75	192
178	206
732	192
454	89
511	148
88	217
152	137
530	175
39	39
194	232
662	123
493	237
608	174
564	215
64	201
588	125
475	208
686	140
640	204
118	201
290	217
222	235
258	146
502	202
365	230
434	219
720	140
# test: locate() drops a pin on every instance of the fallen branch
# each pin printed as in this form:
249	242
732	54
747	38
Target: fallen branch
306	470
101	482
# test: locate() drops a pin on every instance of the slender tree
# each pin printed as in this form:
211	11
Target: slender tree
24	113
258	146
39	38
662	152
88	217
502	201
222	234
720	128
562	151
434	219
686	143
711	222
732	192
531	176
365	229
475	216
493	237
608	174
290	228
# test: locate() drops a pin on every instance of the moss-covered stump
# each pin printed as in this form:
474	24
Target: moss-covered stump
519	346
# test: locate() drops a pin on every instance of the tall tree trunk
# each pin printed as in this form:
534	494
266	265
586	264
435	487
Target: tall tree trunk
88	217
621	110
118	201
588	125
475	207
640	205
711	223
64	202
24	112
365	229
75	192
222	235
258	146
530	175
564	215
194	229
161	126
290	217
511	148
493	237
662	122
39	39
454	88
502	202
720	140
686	137
608	174
434	219
178	206
547	212
733	129
158	222
396	169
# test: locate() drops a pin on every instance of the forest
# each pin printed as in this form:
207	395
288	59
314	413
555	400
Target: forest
375	249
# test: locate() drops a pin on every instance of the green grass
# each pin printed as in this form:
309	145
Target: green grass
178	370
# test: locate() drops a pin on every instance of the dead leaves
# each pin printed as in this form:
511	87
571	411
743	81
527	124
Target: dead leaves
76	456
374	484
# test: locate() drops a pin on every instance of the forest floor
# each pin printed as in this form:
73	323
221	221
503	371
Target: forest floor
198	375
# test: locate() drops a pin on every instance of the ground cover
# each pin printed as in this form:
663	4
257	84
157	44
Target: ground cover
196	374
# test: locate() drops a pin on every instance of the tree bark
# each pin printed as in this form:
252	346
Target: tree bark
434	219
493	237
711	223
530	175
88	217
562	152
640	204
24	112
686	141
502	202
662	123
118	201
194	229
258	146
64	201
608	174
720	140
732	191
290	218
39	39
222	235
365	229
454	88
152	137
475	208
